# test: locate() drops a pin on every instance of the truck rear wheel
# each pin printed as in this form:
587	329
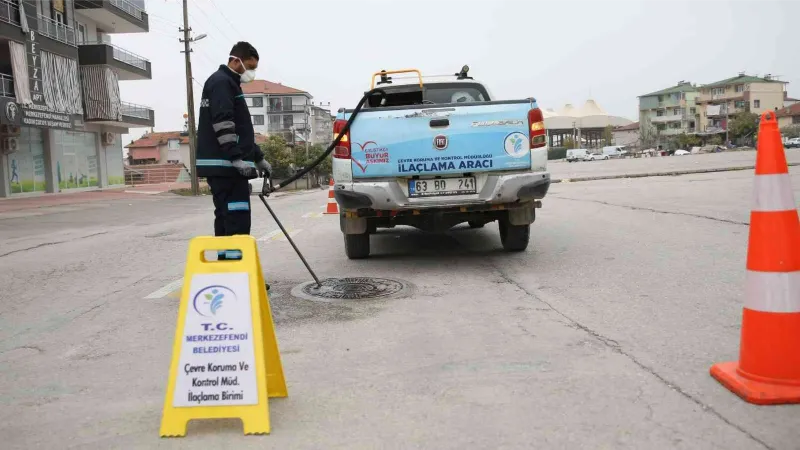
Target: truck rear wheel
515	238
356	246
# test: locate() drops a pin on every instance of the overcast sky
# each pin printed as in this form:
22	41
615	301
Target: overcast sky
557	51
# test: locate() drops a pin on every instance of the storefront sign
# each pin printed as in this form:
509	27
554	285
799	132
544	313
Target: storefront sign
34	68
38	116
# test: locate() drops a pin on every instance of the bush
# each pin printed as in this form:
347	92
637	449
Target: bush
556	153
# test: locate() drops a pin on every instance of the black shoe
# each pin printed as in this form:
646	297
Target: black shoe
267	284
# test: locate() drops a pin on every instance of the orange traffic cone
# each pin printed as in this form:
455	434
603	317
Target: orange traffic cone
333	207
768	370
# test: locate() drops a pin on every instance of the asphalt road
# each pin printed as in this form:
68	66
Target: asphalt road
599	336
706	161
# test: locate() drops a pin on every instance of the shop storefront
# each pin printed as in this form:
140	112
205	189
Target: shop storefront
25	167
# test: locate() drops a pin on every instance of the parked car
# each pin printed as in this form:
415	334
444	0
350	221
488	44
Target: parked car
256	185
793	143
437	156
595	157
614	151
682	152
576	154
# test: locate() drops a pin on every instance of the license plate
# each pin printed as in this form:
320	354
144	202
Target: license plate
442	186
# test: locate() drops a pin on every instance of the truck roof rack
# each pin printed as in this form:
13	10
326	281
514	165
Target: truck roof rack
385	79
463	74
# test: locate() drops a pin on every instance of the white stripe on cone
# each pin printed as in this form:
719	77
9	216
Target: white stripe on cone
777	292
773	193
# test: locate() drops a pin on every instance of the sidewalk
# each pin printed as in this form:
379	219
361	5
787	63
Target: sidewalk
45	200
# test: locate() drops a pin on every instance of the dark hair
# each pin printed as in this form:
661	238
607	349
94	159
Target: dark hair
243	50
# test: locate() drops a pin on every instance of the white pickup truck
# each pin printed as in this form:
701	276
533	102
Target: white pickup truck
436	152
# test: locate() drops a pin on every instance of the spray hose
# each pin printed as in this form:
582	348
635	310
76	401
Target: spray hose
332	146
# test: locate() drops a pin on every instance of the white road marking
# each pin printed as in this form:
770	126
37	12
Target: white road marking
292	233
161	293
315	215
269	235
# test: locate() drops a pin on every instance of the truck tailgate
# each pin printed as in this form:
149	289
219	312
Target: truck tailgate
439	140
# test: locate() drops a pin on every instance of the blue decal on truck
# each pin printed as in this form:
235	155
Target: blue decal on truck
479	138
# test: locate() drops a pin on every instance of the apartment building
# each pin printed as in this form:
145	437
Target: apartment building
321	125
670	111
61	115
721	100
282	110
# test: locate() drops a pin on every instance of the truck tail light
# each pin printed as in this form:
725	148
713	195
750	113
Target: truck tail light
536	130
342	150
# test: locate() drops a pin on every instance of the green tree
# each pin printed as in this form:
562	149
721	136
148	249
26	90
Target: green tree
314	151
743	125
716	140
608	135
569	143
792	131
689	140
279	156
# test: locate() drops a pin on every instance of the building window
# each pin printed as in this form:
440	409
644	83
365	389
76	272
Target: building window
76	159
659	113
739	88
82	37
676	112
274	124
288	122
740	104
718	91
258	120
795	120
693	111
258	102
174	144
756	103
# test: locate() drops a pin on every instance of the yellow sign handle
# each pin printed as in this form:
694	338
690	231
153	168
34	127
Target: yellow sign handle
391	72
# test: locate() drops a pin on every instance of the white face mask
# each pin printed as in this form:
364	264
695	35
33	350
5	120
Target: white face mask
248	75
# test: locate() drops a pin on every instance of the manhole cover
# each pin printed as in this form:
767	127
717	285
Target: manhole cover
360	288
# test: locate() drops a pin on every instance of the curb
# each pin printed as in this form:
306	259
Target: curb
657	174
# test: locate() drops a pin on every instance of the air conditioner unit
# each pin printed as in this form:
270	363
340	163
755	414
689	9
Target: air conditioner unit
9	130
109	138
10	145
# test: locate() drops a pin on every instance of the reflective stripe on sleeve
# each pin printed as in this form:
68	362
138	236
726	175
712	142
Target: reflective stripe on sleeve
226	138
223	125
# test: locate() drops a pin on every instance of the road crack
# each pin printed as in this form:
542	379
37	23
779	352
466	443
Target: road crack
617	348
48	244
659	211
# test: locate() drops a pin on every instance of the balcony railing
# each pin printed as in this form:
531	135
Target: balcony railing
293	108
134	110
122	55
9	12
129	8
56	30
7	85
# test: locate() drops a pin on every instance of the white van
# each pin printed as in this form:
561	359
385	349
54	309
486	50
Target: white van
614	151
577	154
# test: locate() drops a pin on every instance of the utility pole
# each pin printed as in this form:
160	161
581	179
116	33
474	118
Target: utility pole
190	98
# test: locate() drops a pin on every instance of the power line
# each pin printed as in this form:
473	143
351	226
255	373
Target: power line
165	20
199	8
222	14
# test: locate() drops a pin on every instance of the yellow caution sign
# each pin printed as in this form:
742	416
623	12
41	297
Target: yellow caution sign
225	359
